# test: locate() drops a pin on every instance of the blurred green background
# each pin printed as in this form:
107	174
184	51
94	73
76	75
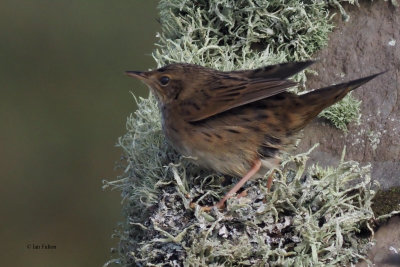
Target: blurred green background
63	103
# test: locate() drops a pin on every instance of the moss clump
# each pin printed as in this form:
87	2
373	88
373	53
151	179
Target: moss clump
343	112
242	34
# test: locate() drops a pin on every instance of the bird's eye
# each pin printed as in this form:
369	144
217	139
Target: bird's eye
164	80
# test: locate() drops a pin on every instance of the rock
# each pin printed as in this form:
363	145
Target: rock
367	44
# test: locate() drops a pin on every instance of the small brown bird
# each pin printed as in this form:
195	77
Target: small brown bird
236	122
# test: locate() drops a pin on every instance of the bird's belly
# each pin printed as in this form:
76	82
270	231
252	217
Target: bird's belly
222	162
226	159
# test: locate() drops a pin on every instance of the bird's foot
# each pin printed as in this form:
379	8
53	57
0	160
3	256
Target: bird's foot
243	194
232	192
220	205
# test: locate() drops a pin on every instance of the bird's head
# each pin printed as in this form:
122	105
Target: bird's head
173	82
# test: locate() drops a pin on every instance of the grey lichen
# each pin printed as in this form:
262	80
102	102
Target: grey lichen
242	34
312	216
374	139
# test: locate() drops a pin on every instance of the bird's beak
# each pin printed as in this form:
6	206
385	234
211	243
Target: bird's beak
136	74
143	76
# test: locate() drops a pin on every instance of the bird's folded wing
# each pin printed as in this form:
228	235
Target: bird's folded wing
237	88
207	102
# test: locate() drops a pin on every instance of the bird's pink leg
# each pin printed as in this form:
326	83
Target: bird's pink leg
252	171
270	180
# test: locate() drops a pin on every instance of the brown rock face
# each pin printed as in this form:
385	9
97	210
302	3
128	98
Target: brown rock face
367	44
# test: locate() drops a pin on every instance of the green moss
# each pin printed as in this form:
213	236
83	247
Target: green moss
343	112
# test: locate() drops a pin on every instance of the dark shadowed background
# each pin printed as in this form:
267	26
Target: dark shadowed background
63	104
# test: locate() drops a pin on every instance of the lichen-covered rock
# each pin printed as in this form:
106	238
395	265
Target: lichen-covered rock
312	216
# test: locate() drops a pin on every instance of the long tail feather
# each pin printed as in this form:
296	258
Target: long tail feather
312	103
325	97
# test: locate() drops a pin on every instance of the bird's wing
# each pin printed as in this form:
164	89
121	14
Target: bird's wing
234	89
278	71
